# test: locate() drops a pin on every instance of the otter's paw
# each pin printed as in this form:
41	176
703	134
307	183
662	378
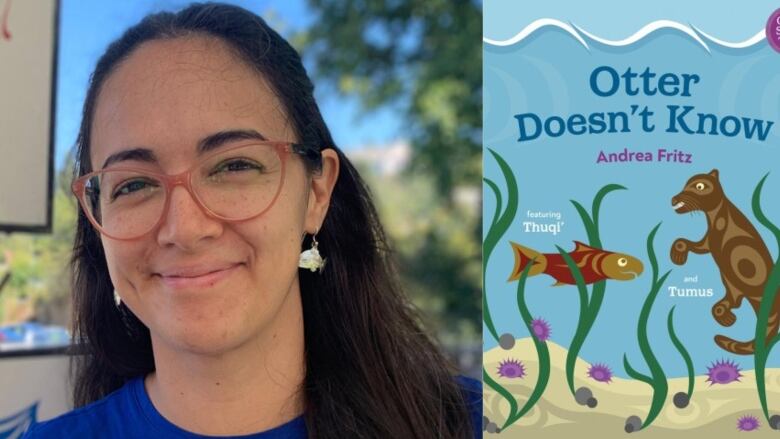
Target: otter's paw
679	252
723	314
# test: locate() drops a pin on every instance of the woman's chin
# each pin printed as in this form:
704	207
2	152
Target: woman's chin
202	345
213	338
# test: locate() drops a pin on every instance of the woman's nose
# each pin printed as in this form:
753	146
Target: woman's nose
185	224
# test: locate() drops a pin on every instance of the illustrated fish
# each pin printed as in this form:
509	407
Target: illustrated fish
595	264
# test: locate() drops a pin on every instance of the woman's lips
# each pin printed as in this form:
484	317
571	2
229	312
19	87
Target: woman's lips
198	281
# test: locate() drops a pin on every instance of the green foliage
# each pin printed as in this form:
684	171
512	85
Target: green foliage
422	59
438	260
421	56
763	347
657	379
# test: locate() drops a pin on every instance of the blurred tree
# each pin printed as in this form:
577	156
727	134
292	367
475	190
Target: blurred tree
423	57
439	259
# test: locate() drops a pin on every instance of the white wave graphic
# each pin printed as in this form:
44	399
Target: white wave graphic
645	31
755	39
577	32
533	27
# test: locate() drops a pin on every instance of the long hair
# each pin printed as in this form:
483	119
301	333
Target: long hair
371	371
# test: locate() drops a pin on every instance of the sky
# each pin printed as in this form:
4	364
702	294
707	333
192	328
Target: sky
88	26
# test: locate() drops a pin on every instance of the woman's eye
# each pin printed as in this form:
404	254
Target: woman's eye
236	166
700	186
129	188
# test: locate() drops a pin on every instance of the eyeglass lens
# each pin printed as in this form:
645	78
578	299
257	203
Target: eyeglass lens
235	185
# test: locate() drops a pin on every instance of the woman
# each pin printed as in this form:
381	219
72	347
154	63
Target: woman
230	274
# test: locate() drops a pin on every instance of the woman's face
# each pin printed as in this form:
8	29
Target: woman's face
165	98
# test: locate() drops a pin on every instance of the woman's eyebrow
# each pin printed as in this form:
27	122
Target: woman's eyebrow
218	139
140	154
206	144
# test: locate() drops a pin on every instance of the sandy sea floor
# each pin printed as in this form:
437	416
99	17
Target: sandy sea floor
712	413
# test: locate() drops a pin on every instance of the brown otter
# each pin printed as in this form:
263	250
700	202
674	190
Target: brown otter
738	250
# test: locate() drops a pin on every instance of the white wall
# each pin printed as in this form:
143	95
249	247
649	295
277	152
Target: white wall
26	72
25	381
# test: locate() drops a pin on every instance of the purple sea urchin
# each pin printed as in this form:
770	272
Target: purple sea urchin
723	372
600	373
511	369
541	329
747	423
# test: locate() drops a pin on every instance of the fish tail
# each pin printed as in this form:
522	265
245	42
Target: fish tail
524	256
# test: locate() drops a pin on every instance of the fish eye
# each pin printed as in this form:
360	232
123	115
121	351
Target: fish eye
622	262
700	186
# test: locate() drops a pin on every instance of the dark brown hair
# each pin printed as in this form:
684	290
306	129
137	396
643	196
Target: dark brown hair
371	371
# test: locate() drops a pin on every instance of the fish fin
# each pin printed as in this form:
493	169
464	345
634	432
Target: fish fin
524	255
582	247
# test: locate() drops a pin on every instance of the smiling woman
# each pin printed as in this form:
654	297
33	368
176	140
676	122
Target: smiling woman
209	185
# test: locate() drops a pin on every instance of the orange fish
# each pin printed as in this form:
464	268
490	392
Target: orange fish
594	264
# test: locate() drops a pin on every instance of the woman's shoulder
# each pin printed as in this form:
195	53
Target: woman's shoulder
470	386
99	418
472	393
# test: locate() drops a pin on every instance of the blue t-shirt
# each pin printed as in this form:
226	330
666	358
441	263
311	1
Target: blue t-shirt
129	413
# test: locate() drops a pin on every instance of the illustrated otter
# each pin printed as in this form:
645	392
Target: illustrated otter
738	250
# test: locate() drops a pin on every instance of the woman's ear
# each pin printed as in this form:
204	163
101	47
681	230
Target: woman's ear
322	185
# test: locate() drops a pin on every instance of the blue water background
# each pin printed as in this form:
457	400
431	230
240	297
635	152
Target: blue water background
548	74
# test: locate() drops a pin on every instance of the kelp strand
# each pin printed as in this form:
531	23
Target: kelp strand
657	378
542	353
498	226
589	306
683	352
762	348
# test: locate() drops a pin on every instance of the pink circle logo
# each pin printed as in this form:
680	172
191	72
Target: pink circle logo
773	30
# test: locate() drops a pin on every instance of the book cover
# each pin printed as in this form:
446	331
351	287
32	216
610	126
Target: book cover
631	223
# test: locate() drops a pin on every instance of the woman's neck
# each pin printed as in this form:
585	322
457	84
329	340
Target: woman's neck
252	388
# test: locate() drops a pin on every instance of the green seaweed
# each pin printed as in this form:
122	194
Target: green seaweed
762	346
657	379
542	353
498	226
501	391
683	352
583	323
589	306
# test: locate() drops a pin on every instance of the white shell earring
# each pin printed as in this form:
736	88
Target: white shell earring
311	259
117	299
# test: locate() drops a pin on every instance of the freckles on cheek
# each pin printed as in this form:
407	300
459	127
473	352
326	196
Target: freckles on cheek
127	267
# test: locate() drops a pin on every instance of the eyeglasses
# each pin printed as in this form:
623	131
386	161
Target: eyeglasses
235	184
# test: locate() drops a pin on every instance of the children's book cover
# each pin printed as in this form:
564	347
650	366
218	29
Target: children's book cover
631	220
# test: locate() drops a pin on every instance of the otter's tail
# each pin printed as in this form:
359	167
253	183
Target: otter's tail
736	347
523	256
748	347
